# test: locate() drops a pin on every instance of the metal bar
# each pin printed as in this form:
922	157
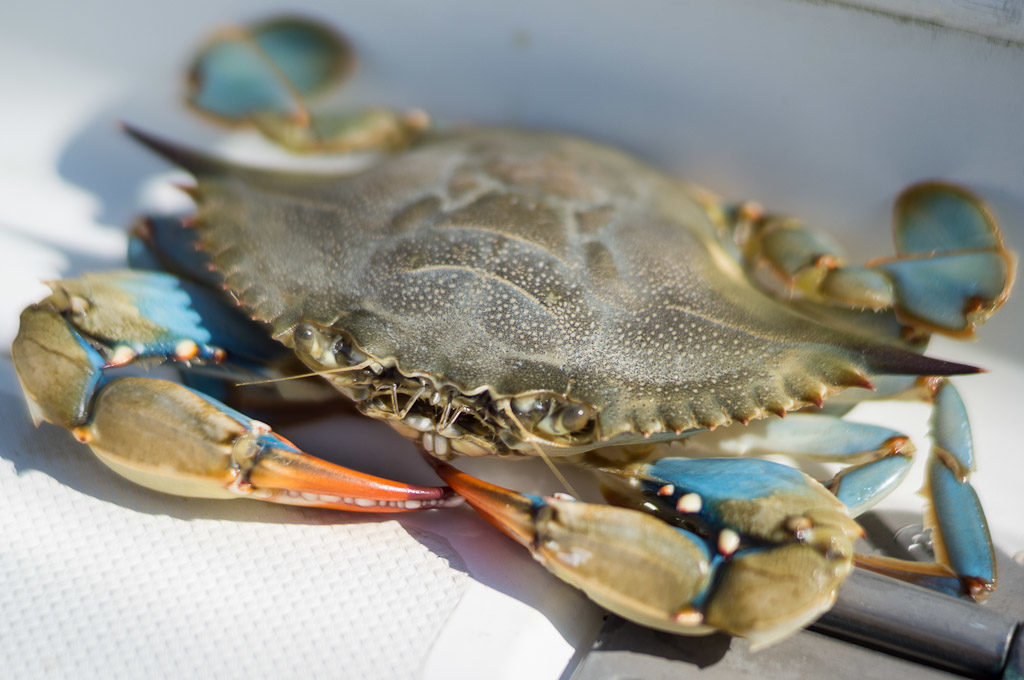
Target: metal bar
922	625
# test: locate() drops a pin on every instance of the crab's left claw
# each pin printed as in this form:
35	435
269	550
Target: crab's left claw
170	438
159	433
761	567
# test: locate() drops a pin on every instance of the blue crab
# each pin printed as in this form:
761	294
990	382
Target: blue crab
520	293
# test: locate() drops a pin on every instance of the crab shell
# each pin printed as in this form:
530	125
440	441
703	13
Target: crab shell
545	288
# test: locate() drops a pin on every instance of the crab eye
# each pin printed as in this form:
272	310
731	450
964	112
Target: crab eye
529	408
306	338
567	419
575	417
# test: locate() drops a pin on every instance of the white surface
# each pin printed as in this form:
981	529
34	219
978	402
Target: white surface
812	109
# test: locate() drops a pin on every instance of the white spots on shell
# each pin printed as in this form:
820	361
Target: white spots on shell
688	617
728	542
689	503
515	261
122	354
186	350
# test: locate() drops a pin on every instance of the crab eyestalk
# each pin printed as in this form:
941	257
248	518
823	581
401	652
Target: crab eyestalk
543	417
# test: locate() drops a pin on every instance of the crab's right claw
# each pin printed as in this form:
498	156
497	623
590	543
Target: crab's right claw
952	270
640	566
783	543
627	561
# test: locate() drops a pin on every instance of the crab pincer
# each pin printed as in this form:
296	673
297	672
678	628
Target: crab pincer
161	434
749	547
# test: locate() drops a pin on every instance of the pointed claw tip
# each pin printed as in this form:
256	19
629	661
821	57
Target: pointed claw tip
977	588
899	446
511	512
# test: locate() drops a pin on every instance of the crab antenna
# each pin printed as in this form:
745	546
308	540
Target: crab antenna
529	438
328	371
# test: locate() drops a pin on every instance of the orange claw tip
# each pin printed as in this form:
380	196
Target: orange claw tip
510	511
289	476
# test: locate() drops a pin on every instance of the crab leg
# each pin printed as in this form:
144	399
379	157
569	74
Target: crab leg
951	271
161	434
960	535
271	74
712	555
878	459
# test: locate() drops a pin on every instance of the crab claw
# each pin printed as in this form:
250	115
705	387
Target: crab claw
170	438
629	562
760	568
784	543
161	434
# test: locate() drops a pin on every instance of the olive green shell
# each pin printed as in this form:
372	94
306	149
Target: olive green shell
508	261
